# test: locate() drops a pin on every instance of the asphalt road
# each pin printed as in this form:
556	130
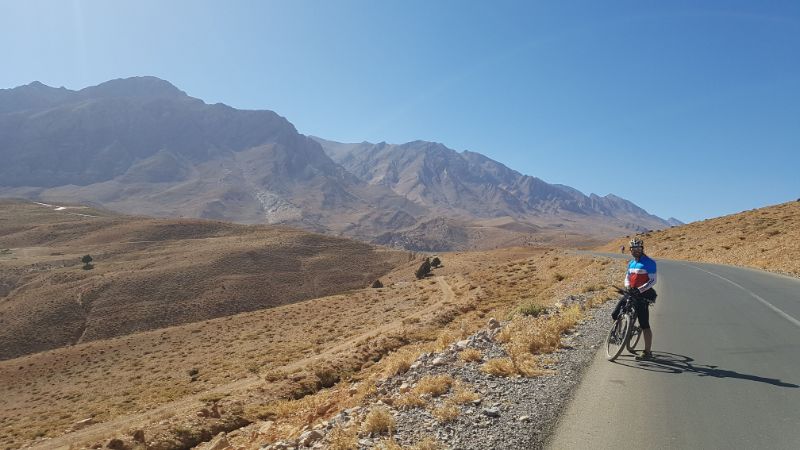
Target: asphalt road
726	373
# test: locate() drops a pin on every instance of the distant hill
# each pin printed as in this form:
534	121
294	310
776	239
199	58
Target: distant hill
765	238
142	146
151	273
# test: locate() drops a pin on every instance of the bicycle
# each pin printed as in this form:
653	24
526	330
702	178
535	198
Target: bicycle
625	332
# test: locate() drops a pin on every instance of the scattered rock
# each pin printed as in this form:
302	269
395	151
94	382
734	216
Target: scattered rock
491	412
310	437
220	442
265	427
138	436
83	423
117	444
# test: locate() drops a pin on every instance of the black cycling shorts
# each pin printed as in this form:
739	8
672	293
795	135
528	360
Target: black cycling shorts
641	306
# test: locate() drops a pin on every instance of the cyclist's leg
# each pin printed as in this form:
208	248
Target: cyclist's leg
643	314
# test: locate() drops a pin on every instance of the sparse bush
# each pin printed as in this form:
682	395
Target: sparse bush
388	444
434	385
436	262
428	443
470	355
326	375
444	340
377	284
499	367
424	269
274	375
559	277
463	395
343	438
532	309
378	421
408	401
399	362
446	413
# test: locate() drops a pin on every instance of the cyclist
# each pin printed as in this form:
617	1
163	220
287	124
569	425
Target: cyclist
639	280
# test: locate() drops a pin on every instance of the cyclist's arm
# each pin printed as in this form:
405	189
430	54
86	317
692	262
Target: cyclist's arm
650	267
627	277
650	283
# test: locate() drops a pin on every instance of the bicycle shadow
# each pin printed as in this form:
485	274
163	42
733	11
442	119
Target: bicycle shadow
666	362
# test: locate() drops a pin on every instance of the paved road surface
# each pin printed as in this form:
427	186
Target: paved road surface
726	374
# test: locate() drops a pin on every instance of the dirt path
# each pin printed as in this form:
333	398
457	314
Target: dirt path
192	402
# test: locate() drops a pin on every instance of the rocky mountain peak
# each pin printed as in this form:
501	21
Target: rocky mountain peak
144	87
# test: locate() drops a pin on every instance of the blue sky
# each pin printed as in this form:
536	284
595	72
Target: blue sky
689	109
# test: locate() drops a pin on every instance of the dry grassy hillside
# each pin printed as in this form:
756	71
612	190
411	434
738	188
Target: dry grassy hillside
150	274
766	238
165	381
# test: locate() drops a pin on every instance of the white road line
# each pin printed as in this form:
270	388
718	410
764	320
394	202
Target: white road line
754	295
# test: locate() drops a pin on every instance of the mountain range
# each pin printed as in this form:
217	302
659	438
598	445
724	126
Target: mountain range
142	146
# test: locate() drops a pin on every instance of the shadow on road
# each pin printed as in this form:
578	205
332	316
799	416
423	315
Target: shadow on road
673	363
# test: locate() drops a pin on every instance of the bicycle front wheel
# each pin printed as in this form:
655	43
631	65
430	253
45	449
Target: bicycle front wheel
617	337
636	333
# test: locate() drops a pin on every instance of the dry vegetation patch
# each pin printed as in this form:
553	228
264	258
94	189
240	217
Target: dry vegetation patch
766	238
379	420
272	361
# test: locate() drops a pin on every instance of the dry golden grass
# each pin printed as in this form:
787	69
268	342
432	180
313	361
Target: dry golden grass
445	413
499	367
766	238
399	362
433	385
428	443
379	420
388	444
280	345
470	355
343	438
444	340
482	279
151	273
408	401
463	394
119	376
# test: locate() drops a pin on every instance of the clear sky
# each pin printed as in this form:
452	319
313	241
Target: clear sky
689	109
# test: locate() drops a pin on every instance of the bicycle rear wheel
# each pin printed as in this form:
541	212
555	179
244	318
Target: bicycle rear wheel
617	336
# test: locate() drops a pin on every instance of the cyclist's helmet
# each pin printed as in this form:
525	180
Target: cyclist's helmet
637	243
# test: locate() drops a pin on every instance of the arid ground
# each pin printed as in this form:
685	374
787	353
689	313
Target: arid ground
282	364
765	238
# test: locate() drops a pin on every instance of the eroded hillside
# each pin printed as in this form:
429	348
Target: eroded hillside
148	274
765	238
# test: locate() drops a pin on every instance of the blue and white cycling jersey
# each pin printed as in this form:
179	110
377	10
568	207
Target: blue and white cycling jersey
641	274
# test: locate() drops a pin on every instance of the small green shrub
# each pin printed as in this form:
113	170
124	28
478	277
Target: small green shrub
532	309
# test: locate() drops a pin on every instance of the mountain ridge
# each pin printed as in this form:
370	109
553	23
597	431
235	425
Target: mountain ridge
142	146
